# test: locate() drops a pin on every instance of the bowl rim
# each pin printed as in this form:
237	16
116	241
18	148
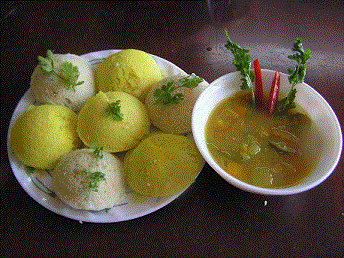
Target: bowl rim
248	187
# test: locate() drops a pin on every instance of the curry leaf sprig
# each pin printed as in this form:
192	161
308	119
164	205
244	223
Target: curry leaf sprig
166	93
243	64
114	110
295	76
68	73
95	177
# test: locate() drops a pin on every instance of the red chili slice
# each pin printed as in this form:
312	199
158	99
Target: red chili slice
258	90
274	93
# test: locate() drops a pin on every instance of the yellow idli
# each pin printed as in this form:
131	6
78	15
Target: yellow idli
42	134
96	127
162	164
72	184
50	89
173	118
132	71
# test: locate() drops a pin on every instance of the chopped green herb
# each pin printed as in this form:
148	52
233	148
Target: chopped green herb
165	94
68	73
98	152
295	76
114	110
29	170
242	63
95	177
46	64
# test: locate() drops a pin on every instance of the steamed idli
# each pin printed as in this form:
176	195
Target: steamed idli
74	186
42	134
51	89
173	118
162	164
132	71
97	122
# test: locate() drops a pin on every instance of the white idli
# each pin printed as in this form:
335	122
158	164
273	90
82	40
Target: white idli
50	89
173	118
72	185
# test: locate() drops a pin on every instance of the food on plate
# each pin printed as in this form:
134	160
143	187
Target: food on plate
170	102
42	134
64	79
89	179
130	70
162	164
262	138
117	121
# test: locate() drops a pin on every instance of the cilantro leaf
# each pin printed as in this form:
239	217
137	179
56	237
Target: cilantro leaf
242	63
295	76
98	152
46	64
114	110
68	73
165	94
97	176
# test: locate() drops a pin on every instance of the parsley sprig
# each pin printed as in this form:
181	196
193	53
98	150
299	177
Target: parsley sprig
68	73
242	63
95	177
114	110
166	93
295	76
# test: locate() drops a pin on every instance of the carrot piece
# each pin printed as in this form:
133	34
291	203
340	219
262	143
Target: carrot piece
258	90
274	91
234	169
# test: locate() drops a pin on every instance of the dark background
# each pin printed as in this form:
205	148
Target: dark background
212	218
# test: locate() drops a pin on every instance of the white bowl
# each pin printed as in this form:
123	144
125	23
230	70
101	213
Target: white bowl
326	148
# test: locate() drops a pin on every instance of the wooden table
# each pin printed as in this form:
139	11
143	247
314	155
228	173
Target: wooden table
212	218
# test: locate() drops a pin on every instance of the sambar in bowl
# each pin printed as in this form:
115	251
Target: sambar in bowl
266	154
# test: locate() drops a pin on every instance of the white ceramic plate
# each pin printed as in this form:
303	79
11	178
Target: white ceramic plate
38	183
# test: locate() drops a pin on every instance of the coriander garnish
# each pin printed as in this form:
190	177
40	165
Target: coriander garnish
295	76
68	73
165	94
114	110
97	176
243	64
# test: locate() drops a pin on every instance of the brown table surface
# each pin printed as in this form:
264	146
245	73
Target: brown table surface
212	218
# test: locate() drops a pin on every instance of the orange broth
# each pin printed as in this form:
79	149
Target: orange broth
264	151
